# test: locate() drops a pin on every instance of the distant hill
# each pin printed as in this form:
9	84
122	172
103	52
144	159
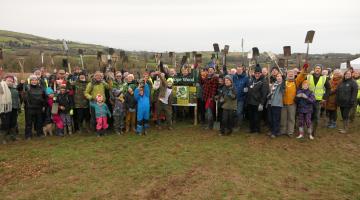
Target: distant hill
28	47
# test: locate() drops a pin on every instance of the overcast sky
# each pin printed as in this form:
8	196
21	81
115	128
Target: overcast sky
187	25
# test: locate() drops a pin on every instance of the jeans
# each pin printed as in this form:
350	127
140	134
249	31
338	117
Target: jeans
275	120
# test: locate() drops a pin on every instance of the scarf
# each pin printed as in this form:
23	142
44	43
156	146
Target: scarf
5	98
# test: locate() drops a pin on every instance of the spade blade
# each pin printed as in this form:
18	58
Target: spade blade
309	36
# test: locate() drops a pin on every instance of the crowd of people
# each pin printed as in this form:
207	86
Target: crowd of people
285	101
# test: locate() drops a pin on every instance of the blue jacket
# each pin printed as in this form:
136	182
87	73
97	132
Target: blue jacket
143	101
100	110
240	82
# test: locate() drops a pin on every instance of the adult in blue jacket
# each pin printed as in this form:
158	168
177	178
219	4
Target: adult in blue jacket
142	96
241	80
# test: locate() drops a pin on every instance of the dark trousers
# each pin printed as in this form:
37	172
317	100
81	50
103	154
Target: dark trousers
275	119
228	117
201	109
80	115
254	118
332	115
345	112
167	110
33	117
9	123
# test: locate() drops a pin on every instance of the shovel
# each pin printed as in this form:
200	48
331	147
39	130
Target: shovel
308	40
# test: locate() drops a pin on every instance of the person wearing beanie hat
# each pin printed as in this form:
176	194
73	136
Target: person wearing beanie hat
81	104
9	107
305	99
101	112
117	101
165	99
66	106
35	102
321	88
229	105
258	88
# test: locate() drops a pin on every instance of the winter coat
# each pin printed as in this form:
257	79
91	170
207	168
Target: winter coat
257	91
65	100
331	102
101	110
15	98
346	93
143	102
80	100
276	96
95	88
119	107
305	105
240	82
130	102
229	95
162	91
34	97
291	87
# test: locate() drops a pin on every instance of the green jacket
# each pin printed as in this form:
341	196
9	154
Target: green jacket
79	98
95	88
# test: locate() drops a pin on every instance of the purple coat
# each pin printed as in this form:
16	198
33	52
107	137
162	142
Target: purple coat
305	105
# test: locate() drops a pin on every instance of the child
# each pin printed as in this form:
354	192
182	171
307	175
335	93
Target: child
10	105
130	108
101	113
228	104
276	103
142	96
118	110
65	109
305	100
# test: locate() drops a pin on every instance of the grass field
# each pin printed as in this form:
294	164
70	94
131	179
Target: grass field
186	163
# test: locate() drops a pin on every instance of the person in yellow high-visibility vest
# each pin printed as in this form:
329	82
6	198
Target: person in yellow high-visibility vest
320	86
356	108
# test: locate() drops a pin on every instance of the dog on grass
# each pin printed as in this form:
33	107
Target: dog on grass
48	129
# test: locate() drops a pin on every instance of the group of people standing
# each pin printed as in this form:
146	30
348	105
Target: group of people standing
283	100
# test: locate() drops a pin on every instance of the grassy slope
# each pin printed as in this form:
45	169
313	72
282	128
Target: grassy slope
187	163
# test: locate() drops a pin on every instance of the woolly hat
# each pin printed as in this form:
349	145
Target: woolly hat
49	91
257	68
229	78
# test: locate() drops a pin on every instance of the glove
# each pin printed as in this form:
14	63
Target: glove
246	89
71	112
260	108
304	96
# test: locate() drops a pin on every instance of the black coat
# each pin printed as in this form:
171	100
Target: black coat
35	97
258	90
346	93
